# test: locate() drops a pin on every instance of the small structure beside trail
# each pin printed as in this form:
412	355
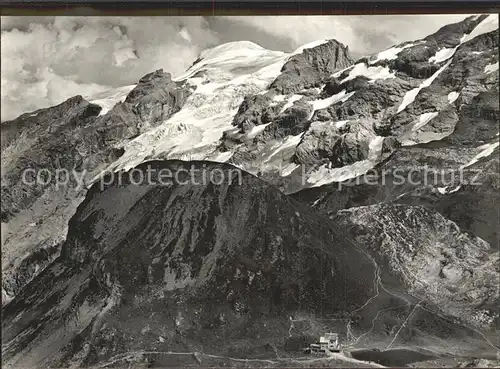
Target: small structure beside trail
327	343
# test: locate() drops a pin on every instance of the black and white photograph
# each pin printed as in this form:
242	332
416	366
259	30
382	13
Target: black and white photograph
250	189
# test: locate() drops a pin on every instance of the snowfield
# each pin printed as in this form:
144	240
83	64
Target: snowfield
339	73
325	103
291	100
108	99
309	45
490	68
290	142
392	53
341	123
207	113
453	96
442	55
485	150
423	120
373	73
445	190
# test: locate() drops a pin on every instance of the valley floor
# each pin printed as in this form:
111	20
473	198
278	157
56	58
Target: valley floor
367	358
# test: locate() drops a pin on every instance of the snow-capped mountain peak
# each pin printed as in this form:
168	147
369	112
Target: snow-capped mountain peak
225	75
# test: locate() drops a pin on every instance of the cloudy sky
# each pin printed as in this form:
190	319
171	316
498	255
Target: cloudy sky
46	60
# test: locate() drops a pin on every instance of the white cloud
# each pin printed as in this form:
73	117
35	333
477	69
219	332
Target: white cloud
45	62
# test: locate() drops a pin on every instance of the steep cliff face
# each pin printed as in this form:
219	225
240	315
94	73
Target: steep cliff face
49	156
457	176
311	67
351	119
457	272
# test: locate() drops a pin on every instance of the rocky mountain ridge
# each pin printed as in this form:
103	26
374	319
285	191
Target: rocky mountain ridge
73	137
205	268
312	123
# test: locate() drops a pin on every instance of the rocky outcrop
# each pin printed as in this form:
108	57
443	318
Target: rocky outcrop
351	147
256	110
47	141
291	122
470	199
456	272
73	112
414	61
301	72
311	67
414	96
478	121
440	164
433	177
445	132
464	77
155	98
343	145
450	35
317	143
73	136
370	100
26	269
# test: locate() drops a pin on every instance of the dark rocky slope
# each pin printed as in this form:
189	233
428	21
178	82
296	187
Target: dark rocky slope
436	175
370	99
150	270
435	260
71	137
